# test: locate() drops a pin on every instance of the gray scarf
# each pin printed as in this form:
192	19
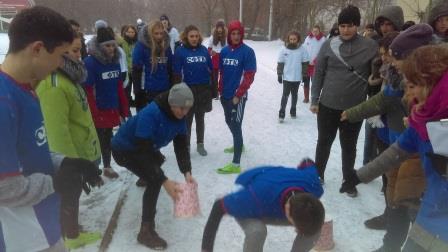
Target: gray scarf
74	70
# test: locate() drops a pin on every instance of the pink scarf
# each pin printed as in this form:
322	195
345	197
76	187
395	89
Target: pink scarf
318	37
435	108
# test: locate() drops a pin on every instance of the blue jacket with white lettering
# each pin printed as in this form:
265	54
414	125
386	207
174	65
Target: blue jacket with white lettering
194	63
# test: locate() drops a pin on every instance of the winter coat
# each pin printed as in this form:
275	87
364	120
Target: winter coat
264	189
313	44
67	117
292	63
128	47
159	79
334	84
432	218
214	51
104	87
392	13
173	34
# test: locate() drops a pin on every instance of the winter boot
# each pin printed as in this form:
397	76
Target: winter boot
229	169
141	183
377	222
201	150
306	94
281	116
351	191
110	173
292	112
149	237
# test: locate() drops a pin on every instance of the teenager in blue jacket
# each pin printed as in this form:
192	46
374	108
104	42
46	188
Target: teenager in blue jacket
427	70
237	69
151	63
193	64
136	146
272	195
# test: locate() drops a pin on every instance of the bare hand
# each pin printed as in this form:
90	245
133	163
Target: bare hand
314	109
344	116
189	178
406	121
172	188
235	100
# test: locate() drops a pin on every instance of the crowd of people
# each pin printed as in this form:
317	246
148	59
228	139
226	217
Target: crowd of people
61	98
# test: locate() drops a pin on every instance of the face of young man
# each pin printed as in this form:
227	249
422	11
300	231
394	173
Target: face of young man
235	37
193	38
442	25
386	26
109	49
179	112
347	31
44	62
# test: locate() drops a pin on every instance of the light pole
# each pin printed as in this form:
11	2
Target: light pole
271	11
241	11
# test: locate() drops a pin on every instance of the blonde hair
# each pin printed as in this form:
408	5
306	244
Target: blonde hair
157	48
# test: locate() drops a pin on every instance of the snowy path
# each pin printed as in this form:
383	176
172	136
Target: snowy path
267	142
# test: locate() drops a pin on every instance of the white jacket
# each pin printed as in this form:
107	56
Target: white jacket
313	46
293	59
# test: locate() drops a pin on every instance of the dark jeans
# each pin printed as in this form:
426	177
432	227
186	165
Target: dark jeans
215	77
397	227
412	246
306	81
200	125
69	212
144	98
368	144
234	119
289	88
105	137
328	123
133	163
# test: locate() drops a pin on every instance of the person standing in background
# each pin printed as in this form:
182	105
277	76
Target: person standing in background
216	42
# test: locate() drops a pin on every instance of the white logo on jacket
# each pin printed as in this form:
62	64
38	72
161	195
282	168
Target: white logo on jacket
230	62
196	59
110	75
41	136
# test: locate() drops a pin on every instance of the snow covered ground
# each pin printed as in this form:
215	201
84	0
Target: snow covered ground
267	142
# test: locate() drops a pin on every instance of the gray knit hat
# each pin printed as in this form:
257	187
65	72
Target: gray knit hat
180	95
410	39
100	24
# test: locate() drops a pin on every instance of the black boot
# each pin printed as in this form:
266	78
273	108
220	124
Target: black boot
377	222
281	116
293	113
149	237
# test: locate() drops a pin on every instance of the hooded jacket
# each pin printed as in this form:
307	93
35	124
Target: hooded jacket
392	13
440	9
237	62
67	117
159	79
104	87
313	44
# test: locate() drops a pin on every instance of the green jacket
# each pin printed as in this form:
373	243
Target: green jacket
128	49
67	118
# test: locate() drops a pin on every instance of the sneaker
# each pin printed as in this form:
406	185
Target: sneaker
149	237
281	115
377	222
352	192
230	150
141	183
281	120
293	113
229	169
84	238
110	173
201	150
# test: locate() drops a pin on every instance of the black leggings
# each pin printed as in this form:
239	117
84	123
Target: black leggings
200	125
289	88
69	212
328	123
105	137
132	162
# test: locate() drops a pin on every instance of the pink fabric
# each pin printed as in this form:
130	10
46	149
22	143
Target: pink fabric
187	205
318	37
325	241
435	108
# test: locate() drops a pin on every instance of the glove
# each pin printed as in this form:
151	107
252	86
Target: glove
375	121
75	172
393	77
279	79
306	163
352	182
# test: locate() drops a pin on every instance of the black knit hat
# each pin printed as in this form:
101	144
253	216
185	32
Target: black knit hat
164	17
410	39
104	35
350	15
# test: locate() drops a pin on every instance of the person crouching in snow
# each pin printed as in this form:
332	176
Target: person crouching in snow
105	92
137	145
237	68
292	64
272	195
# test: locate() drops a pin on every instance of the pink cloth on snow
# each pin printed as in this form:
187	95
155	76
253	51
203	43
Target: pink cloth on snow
187	205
